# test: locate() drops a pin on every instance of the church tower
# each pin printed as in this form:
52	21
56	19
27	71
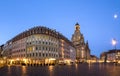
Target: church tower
78	42
77	37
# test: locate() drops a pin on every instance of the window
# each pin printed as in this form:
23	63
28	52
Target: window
33	54
30	55
46	54
36	48
36	54
43	42
49	54
39	54
39	48
46	43
43	54
39	42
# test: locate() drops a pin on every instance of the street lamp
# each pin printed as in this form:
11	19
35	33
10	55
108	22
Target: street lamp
114	42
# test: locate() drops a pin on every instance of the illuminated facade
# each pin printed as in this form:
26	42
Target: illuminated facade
39	45
93	59
2	59
82	48
111	56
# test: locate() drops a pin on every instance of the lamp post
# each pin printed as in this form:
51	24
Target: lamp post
114	42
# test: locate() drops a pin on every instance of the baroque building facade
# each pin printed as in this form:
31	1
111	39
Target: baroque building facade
82	48
39	45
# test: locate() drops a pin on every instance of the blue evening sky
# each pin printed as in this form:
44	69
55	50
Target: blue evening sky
96	19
